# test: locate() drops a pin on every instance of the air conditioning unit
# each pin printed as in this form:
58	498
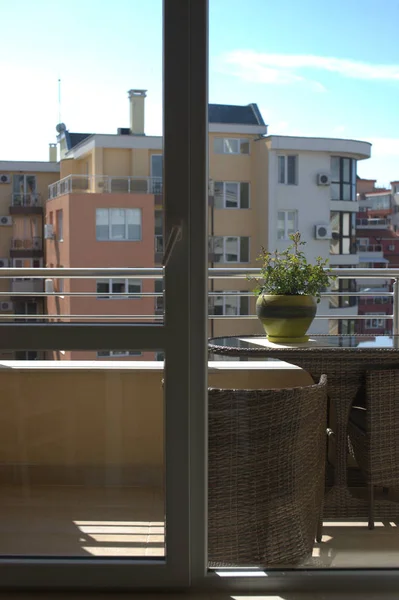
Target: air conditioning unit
322	232
6	221
4	262
49	286
48	231
5	178
323	179
123	131
6	306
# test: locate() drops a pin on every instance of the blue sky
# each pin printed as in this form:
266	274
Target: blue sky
315	68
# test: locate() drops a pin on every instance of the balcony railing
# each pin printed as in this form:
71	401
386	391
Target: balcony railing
369	248
26	200
33	243
156	273
372	222
91	184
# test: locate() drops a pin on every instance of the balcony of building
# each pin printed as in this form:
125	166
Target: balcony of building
107	184
25	204
372	223
28	247
82	451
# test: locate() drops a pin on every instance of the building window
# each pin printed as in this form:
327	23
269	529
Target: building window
288	169
159	300
114	289
229	305
231	194
286	224
343	285
118	224
60	225
343	178
391	247
24	190
375	323
116	353
343	232
231	146
229	249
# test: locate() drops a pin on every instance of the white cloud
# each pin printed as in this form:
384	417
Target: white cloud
288	68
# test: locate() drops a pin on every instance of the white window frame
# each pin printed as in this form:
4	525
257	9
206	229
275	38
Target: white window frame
114	296
230	298
380	323
224	253
284	179
286	234
238	184
126	238
226	140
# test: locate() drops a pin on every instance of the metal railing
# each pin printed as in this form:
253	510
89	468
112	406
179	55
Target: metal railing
32	199
369	248
33	243
156	273
83	184
371	222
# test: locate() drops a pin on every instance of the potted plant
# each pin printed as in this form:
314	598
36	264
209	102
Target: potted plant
288	291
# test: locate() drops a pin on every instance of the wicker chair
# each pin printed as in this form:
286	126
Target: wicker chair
374	432
267	454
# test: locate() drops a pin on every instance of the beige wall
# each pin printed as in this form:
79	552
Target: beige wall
92	426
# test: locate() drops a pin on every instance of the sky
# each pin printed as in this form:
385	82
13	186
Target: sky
314	67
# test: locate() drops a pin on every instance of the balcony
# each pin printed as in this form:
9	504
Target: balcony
372	223
106	184
81	449
23	204
26	247
27	286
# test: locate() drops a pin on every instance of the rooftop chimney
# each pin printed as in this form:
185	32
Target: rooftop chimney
52	152
137	99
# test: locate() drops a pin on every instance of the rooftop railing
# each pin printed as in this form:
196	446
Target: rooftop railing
91	184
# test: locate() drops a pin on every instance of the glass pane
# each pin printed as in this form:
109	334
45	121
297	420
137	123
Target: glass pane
219	194
345	246
345	224
134	287
134	224
30	184
281	225
244	246
335	169
231	249
291	222
244	146
281	169
334	246
231	195
158	222
231	146
244	305
217	305
346	170
335	191
118	223
346	191
231	305
102	224
157	166
103	287
218	249
244	195
335	222
291	170
218	145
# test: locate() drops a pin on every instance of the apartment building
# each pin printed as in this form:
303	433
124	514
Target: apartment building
106	210
23	194
377	241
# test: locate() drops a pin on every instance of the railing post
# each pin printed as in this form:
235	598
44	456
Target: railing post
396	312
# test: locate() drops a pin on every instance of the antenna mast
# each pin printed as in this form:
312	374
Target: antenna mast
59	100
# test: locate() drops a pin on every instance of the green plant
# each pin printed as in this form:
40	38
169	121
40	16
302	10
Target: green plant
288	273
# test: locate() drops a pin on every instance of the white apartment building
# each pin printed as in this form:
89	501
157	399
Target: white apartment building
312	188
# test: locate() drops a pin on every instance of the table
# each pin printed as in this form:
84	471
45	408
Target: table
344	360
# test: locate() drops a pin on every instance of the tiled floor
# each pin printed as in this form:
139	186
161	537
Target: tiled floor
83	521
